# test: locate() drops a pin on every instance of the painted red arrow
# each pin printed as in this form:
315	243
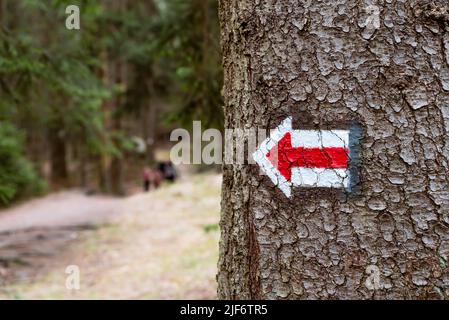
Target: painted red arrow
305	158
284	157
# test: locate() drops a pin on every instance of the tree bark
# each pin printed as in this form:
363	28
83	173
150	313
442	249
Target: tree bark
320	62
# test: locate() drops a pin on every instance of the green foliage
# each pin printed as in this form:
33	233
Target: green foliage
59	81
208	228
48	79
190	37
17	177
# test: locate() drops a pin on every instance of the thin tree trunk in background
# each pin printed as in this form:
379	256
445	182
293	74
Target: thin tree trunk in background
116	168
115	172
149	107
320	63
110	167
116	164
35	144
149	115
3	11
58	156
206	43
102	160
83	164
121	77
149	129
8	12
103	181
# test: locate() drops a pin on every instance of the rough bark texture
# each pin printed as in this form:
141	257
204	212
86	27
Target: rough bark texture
317	61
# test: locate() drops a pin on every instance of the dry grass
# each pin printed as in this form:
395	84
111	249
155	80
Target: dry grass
165	246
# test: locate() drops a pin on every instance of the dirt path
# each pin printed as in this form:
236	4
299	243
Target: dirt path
148	246
39	230
59	210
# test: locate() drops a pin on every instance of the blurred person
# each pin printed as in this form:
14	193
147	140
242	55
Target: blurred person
156	178
147	179
168	170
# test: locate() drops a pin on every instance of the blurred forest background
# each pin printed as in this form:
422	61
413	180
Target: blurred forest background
76	105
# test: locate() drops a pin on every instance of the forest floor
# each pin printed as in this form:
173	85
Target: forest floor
158	245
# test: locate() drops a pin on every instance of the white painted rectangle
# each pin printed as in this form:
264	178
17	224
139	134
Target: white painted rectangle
320	138
320	177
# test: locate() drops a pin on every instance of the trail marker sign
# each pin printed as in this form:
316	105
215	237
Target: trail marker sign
305	158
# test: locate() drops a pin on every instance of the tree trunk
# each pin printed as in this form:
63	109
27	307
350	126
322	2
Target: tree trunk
3	21
58	156
83	166
116	163
103	179
116	167
327	64
149	129
114	72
